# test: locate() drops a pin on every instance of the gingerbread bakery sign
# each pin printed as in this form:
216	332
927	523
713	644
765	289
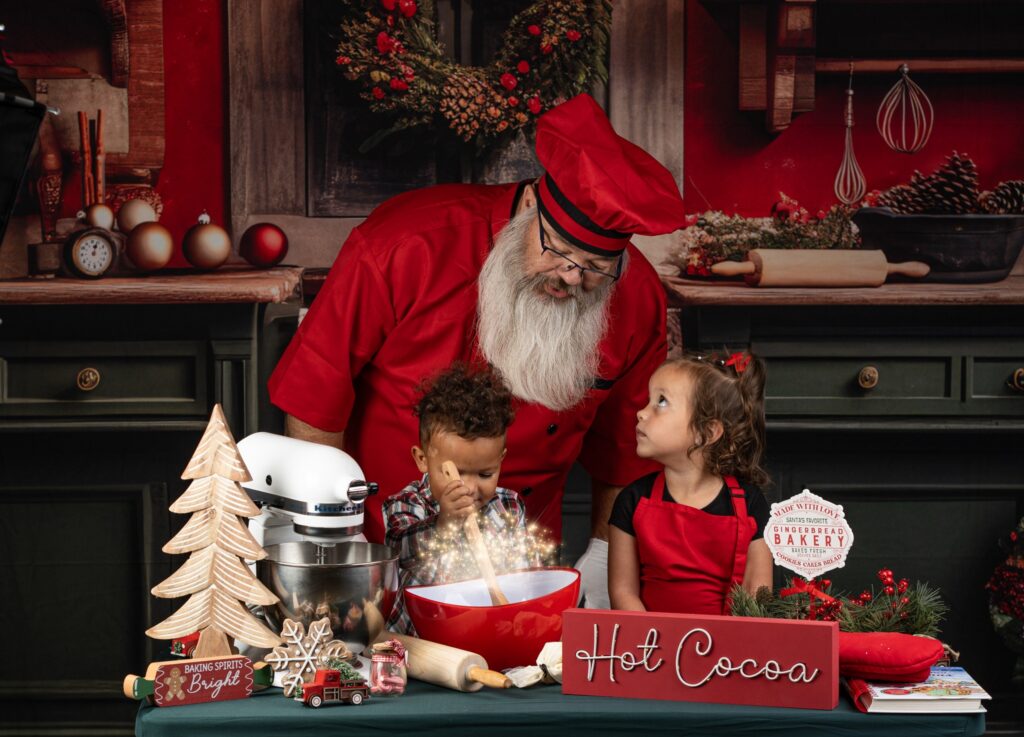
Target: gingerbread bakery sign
808	535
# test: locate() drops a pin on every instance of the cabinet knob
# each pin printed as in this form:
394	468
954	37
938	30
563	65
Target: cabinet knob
87	379
868	377
1016	380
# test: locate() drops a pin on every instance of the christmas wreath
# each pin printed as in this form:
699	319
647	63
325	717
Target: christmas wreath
551	51
913	609
1006	593
714	236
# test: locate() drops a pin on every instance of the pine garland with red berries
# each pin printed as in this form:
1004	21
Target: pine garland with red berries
1006	591
915	609
551	51
713	236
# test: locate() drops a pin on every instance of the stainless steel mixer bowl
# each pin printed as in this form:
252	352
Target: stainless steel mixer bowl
352	583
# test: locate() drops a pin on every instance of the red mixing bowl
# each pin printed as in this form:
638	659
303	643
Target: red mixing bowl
461	615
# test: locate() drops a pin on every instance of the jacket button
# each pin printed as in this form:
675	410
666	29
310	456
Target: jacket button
527	491
552	429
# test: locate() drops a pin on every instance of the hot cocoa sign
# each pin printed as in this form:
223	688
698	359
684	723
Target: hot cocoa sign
687	657
808	535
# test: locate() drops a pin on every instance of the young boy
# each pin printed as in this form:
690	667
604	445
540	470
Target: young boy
463	418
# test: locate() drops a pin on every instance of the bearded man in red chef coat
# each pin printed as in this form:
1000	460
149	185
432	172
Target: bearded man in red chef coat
537	279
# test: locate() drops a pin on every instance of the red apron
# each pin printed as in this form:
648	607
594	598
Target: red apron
689	559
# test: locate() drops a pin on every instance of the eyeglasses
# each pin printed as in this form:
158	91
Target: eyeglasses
586	272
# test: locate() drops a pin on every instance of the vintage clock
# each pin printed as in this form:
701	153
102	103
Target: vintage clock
90	253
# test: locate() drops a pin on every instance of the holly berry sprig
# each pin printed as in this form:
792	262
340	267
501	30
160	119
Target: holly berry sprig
899	606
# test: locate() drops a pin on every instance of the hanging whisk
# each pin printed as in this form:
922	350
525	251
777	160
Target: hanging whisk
906	106
850	184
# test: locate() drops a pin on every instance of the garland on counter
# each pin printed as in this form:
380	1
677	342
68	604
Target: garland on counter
1006	592
551	51
715	236
914	609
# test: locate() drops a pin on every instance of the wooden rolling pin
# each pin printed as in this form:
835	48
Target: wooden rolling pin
808	267
446	666
477	546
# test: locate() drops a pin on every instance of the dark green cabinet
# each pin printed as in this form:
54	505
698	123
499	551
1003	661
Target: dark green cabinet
927	461
86	476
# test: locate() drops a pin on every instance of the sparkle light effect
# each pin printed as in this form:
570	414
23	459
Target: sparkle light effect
447	556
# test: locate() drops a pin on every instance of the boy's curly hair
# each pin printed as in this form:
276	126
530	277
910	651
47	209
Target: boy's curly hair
736	399
470	403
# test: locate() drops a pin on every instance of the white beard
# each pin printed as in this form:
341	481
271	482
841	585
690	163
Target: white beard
545	349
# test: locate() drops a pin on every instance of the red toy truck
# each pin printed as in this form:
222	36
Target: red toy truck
328	687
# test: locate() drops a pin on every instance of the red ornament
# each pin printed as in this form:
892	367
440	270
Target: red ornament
523	67
534	30
889	590
904	583
534	104
399	85
389	5
378	93
822	214
905	600
547	49
573	35
407	7
263	245
513	101
508	81
385	44
343	61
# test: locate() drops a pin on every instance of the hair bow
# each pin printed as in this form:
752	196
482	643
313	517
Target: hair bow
739	361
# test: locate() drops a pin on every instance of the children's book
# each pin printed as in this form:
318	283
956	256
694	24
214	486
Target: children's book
946	690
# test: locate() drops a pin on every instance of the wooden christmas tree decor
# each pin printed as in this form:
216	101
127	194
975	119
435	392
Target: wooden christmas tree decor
215	577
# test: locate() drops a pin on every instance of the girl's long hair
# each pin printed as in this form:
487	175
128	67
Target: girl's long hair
736	400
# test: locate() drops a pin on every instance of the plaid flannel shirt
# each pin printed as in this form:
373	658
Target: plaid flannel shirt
410	519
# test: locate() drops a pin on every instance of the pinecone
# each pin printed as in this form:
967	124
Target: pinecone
1006	199
464	98
951	190
902	199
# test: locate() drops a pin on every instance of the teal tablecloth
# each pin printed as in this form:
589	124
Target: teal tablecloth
536	712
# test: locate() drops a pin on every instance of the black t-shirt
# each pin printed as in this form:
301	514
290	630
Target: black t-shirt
628	499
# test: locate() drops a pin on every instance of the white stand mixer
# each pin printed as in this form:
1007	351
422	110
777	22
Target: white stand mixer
307	491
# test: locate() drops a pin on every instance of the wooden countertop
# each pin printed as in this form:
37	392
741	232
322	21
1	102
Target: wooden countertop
689	292
226	285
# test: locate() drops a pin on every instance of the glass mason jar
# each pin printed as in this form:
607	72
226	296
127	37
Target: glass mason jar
388	669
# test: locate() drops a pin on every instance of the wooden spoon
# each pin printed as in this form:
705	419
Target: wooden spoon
477	546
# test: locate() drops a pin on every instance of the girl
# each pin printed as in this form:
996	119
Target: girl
681	538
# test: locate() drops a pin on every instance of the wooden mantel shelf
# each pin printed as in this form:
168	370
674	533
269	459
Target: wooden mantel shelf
689	293
226	285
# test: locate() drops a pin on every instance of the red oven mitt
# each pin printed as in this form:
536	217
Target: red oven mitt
887	656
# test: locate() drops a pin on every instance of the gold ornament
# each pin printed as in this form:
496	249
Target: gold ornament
149	246
99	216
206	246
134	212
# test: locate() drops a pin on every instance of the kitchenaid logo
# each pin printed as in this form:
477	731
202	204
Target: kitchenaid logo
333	508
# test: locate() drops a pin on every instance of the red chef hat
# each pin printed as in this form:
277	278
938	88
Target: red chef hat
599	189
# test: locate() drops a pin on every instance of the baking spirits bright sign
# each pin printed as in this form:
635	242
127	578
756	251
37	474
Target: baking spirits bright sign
808	535
689	657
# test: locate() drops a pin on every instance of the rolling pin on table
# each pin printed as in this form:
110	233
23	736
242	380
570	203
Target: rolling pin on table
450	667
807	267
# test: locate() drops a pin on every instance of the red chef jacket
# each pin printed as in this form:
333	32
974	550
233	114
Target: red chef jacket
399	305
